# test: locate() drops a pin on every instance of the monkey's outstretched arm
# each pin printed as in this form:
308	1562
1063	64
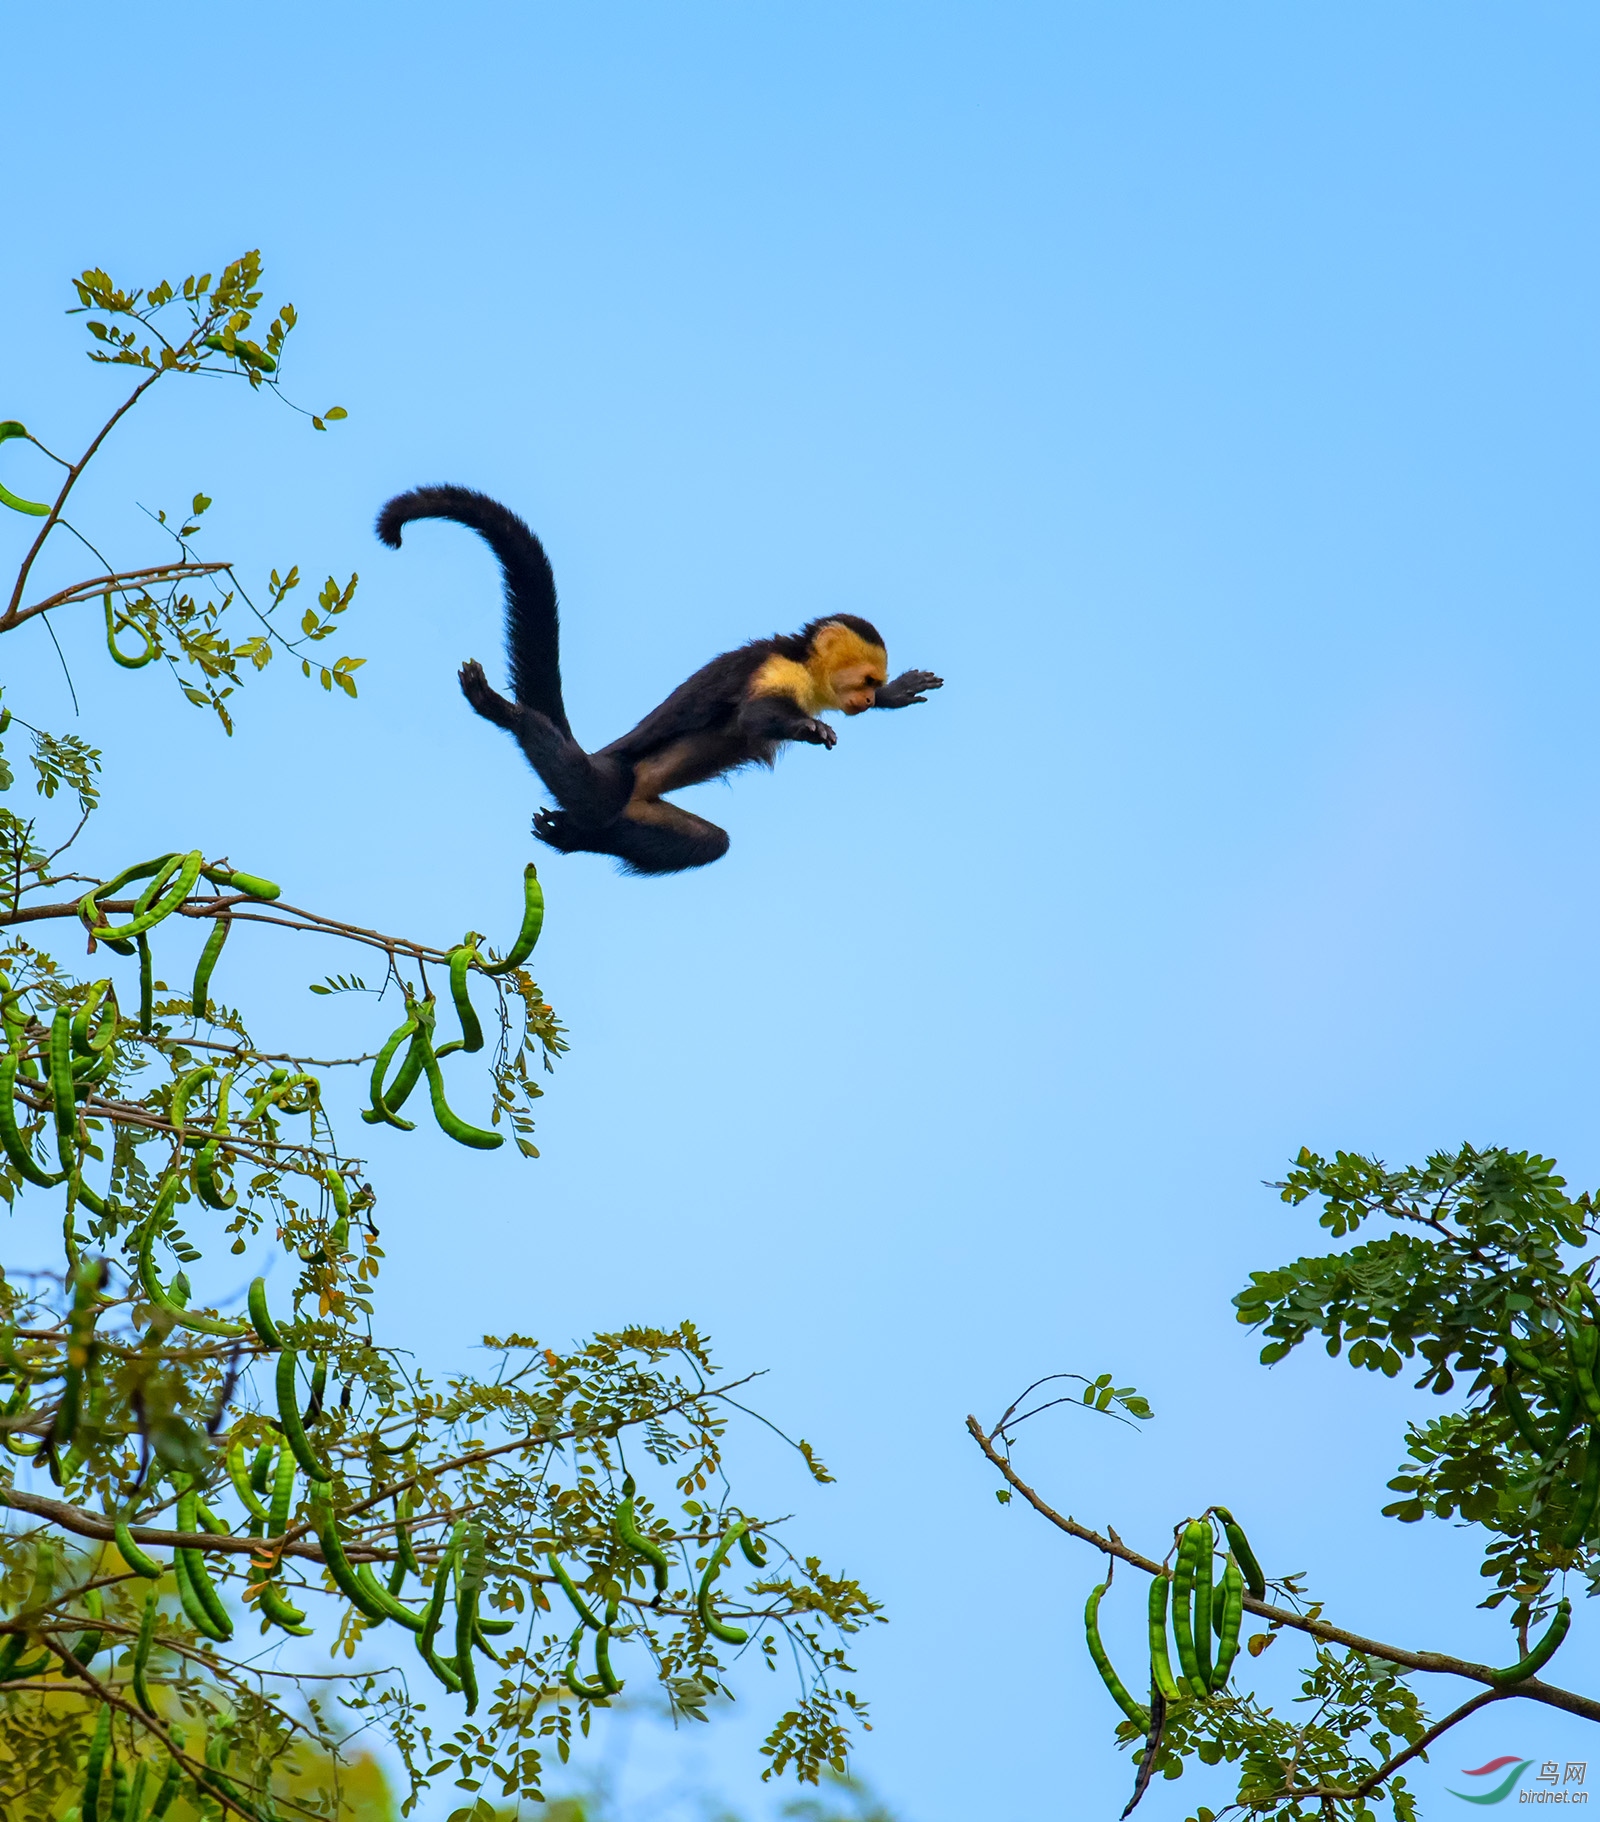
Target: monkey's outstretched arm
767	718
906	689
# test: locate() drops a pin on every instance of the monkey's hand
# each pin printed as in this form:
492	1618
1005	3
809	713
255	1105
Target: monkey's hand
489	703
817	732
905	689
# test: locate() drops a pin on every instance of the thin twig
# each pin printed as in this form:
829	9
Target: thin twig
11	616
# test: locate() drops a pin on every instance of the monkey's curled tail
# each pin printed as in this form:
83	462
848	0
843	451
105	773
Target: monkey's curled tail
533	626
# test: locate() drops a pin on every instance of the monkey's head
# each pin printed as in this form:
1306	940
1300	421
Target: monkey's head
847	661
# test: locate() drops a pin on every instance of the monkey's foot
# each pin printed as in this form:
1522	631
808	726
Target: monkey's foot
555	828
489	703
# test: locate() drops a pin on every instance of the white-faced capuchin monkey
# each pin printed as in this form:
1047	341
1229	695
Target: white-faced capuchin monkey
737	710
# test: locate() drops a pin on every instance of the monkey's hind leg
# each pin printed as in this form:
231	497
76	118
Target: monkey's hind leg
663	839
591	790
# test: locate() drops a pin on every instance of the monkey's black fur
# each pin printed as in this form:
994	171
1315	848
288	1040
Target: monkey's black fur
715	721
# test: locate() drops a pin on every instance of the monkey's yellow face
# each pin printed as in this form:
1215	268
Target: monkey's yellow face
856	687
848	669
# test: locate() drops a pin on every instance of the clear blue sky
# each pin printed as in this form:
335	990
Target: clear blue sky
1209	393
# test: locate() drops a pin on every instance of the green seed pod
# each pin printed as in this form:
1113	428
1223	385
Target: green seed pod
609	1680
345	1579
63	1101
198	1576
1231	1588
210	1521
1102	1662
194	1611
632	1538
239	1474
1255	1582
146	915
246	353
141	1651
1182	1615
471	1566
558	1570
200	993
1583	1512
170	1783
1202	1601
1581	1338
152	1286
289	1416
451	1123
589	1692
133	1556
1542	1653
89	905
178	1109
16	1147
86	1647
402	1537
340	1193
147	986
230	880
1516	1409
119	1794
719	1629
80	1350
261	1316
95	1765
86	1042
433	1613
532	924
384	1598
386	1101
1160	1664
11	428
471	1031
207	1165
288	1094
284	1616
115	622
282	1492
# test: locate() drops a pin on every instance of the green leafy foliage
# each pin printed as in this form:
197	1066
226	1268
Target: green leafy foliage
1482	1276
181	608
184	1480
1483	1279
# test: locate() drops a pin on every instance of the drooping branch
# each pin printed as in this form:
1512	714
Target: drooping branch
119	583
240	908
1435	1663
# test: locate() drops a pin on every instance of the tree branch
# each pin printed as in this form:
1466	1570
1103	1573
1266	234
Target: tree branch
1436	1663
11	616
1470	1706
99	585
